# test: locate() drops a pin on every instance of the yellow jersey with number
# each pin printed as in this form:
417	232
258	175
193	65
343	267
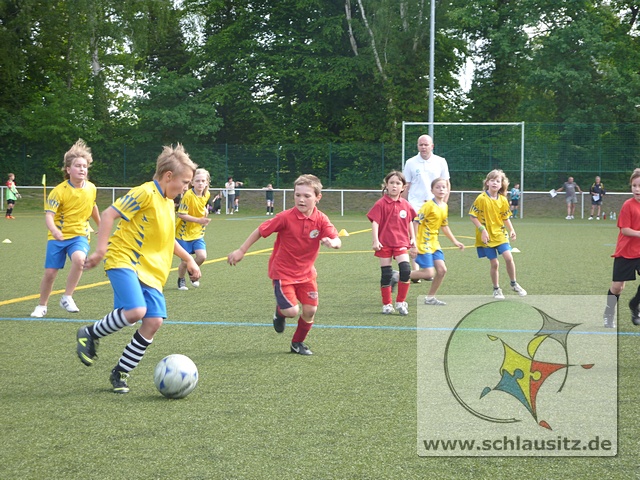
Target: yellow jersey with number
491	212
430	218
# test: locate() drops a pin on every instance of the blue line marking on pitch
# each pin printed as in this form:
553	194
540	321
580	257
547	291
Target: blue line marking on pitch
346	327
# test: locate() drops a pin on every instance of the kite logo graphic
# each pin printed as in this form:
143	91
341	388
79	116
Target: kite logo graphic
528	358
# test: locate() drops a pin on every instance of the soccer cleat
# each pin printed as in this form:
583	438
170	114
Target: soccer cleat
568	217
497	294
521	291
119	381
609	320
279	323
402	308
387	309
590	218
433	301
182	284
68	304
413	280
196	284
395	278
86	347
300	348
635	316
40	311
598	217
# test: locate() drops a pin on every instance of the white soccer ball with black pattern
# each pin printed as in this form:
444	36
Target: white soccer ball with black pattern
175	376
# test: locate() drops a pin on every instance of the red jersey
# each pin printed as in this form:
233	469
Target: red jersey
297	244
394	218
628	247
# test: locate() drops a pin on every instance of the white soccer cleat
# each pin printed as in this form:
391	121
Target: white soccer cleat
40	311
196	284
434	301
521	291
387	309
402	308
497	294
68	304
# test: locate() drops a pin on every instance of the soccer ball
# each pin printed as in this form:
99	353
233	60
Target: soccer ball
175	376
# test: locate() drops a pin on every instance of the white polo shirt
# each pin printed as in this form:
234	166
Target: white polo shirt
420	173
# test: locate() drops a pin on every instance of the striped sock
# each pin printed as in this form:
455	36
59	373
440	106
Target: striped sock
111	323
133	353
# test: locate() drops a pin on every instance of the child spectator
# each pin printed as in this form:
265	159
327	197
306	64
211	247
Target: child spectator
138	259
433	217
393	235
269	194
192	221
300	230
12	196
515	200
626	258
69	206
490	214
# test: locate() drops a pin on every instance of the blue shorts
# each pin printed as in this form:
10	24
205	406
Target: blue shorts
493	252
129	292
425	260
193	245
57	250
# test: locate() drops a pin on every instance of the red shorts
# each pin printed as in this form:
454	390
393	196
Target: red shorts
391	252
289	294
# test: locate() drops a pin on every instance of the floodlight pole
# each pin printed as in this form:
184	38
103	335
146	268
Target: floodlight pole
432	41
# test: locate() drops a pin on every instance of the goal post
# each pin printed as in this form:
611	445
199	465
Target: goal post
472	149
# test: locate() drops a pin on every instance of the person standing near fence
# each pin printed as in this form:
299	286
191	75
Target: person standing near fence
12	196
597	192
514	195
269	194
230	195
570	188
420	171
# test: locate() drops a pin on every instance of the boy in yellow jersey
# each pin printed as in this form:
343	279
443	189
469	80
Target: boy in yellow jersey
192	221
138	259
67	212
433	218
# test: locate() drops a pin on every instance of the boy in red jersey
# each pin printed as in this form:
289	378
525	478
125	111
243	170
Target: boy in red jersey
300	231
626	258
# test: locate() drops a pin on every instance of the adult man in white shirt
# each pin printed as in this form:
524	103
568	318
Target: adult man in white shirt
420	171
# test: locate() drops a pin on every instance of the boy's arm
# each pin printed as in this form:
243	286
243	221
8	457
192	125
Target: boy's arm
484	235
512	232
192	266
630	232
331	242
107	220
449	234
189	218
95	214
234	257
49	221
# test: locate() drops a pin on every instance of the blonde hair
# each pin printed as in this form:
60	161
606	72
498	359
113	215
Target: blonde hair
439	179
497	173
634	175
202	171
78	150
174	160
311	181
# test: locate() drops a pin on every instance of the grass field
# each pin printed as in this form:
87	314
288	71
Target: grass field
349	411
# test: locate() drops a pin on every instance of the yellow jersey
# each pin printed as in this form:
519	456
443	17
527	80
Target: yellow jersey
430	218
144	238
192	204
491	213
71	208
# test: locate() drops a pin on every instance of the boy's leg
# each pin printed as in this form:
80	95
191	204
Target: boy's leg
305	322
441	271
